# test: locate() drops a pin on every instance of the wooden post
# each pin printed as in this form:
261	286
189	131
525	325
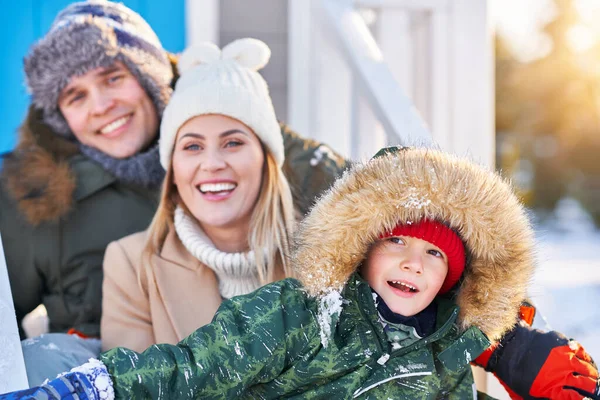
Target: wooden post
12	366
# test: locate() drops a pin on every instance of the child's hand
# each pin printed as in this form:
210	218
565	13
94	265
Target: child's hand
535	364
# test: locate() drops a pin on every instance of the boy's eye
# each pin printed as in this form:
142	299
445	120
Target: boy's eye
435	253
396	240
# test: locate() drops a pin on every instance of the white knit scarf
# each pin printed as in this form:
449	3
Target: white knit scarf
237	272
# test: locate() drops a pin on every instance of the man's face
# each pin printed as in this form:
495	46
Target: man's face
107	108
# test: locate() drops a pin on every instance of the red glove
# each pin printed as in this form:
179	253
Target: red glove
533	364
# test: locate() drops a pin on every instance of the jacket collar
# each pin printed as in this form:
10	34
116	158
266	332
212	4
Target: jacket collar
175	252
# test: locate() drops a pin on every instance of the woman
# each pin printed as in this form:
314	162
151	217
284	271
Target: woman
225	216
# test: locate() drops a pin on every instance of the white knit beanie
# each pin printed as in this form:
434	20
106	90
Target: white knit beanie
225	82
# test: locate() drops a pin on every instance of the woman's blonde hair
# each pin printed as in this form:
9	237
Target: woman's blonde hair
271	224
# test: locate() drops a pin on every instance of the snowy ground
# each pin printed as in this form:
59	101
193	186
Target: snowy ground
566	288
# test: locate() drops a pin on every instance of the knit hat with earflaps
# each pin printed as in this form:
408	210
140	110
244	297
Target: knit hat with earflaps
91	34
225	82
441	236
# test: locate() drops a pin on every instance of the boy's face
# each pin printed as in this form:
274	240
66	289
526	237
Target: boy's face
107	108
406	272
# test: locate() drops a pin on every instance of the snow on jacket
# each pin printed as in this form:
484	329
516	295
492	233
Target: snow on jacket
320	337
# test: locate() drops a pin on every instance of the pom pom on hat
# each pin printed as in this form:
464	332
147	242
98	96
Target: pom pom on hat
441	236
224	82
248	52
204	53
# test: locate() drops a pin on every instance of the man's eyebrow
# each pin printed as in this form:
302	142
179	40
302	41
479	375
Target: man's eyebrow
221	135
104	72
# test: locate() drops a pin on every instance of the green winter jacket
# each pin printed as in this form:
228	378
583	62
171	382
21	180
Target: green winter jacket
268	345
59	210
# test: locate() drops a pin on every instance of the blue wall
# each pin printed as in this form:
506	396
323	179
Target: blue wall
25	21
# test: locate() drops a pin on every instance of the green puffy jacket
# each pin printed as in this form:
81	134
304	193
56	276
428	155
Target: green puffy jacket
59	210
268	345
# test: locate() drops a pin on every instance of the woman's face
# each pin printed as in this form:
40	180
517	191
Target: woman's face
217	168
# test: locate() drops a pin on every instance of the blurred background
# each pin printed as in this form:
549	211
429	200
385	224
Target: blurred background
547	59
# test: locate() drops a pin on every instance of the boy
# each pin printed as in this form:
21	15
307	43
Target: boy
402	283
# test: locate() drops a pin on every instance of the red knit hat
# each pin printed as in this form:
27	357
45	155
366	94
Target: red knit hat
441	236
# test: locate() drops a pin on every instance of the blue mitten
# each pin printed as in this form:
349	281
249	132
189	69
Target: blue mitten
89	381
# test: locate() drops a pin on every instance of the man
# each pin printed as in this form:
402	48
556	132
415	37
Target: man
86	169
86	172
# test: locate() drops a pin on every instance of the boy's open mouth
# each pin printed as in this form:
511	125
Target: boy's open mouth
403	286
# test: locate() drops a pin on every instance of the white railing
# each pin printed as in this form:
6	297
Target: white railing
358	85
12	367
372	79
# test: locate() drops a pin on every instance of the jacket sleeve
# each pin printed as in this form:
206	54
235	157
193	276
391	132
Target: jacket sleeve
251	340
311	167
126	319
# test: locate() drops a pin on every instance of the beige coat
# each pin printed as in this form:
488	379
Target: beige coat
161	303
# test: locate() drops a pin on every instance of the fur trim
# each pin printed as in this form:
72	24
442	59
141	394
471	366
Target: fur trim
408	186
37	175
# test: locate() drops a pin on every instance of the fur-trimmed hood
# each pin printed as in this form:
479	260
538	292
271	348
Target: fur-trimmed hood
409	185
